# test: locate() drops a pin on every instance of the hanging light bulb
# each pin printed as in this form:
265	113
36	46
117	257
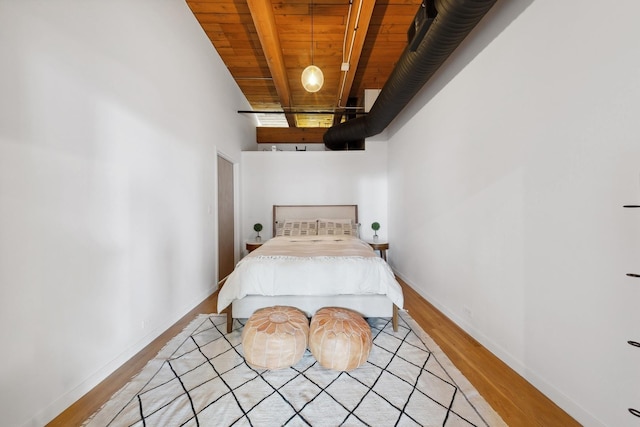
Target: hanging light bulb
312	77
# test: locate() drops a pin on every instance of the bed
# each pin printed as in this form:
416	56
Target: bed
314	260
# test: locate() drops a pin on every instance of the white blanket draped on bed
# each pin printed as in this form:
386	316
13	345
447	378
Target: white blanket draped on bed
311	265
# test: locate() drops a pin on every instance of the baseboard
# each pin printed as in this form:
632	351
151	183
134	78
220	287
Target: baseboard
57	407
559	398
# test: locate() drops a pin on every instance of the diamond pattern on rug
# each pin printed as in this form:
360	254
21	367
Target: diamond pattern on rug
201	378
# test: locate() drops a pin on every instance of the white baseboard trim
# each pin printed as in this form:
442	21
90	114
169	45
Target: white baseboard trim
69	398
559	398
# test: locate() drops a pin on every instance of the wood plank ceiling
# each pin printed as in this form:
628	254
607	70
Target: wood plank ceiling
266	44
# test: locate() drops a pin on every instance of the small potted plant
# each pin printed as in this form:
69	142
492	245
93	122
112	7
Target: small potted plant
375	227
257	227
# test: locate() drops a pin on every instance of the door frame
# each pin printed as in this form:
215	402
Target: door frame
236	212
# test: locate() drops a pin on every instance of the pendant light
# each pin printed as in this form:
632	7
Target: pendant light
312	78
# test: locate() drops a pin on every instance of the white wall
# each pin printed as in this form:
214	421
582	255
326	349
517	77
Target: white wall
111	116
506	184
315	178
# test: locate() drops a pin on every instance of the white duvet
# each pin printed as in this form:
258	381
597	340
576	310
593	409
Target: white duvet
311	265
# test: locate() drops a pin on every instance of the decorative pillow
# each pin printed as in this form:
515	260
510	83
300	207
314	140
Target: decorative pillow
336	220
331	227
298	227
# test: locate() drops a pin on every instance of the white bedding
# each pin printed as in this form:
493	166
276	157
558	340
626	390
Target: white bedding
311	265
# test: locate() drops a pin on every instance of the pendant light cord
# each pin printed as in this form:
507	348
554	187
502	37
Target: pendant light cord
312	60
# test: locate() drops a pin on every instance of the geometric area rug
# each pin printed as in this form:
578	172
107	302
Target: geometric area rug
200	378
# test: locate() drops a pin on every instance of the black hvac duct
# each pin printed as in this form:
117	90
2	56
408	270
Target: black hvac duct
454	20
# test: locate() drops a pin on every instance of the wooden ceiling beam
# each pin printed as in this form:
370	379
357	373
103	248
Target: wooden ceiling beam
267	135
264	21
356	34
265	44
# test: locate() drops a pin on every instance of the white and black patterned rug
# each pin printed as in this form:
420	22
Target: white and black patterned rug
201	379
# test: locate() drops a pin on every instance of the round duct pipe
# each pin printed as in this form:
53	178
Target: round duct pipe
453	22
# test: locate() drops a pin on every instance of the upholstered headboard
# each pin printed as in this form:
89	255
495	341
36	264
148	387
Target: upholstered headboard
283	212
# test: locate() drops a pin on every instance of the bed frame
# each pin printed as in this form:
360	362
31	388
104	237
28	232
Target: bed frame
367	305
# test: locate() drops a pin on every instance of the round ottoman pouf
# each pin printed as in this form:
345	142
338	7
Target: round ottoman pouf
275	337
339	338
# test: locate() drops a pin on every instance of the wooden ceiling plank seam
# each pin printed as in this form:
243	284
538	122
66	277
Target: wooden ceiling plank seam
226	18
217	6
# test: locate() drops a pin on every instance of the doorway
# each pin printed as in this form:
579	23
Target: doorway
226	225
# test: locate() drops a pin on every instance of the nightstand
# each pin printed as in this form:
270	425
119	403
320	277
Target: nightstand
253	245
380	246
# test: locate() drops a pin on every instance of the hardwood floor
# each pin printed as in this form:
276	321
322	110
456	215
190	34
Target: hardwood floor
510	395
517	401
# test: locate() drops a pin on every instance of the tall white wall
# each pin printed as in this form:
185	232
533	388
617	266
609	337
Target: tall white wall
507	177
315	178
111	117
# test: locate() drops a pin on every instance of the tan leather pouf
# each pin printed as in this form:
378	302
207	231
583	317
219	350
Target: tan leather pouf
339	338
275	337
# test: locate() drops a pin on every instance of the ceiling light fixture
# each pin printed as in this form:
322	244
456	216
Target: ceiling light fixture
312	77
